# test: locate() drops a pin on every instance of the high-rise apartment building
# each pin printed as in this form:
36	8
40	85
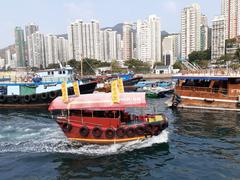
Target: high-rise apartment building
84	40
62	45
218	37
20	47
108	45
127	41
36	50
231	12
143	41
171	49
155	38
30	29
190	30
51	49
119	47
204	39
149	39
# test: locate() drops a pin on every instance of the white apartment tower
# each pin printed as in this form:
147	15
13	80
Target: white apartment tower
36	51
190	30
84	40
218	37
149	39
127	41
108	45
104	45
171	49
30	29
51	49
231	12
143	41
155	38
62	44
119	47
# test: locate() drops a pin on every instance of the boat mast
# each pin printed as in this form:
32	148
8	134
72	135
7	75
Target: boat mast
81	66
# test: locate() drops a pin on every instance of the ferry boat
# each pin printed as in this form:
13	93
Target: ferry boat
95	119
208	89
128	81
39	89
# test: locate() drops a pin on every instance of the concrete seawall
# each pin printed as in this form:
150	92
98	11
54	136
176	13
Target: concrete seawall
157	76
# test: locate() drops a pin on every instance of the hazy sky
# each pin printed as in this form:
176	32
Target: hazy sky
53	16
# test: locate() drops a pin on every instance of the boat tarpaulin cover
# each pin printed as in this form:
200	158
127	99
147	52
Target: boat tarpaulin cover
99	101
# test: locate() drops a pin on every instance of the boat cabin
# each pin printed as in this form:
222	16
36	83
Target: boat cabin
223	86
55	75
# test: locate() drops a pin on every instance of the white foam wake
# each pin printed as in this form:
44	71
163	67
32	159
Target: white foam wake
56	143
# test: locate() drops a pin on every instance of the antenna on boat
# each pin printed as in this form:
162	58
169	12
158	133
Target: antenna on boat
81	65
60	64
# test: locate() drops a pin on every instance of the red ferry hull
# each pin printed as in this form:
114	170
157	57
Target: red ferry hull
72	128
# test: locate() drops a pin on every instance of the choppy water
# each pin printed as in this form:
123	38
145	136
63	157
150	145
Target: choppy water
197	145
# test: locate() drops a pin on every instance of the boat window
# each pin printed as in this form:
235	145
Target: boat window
63	72
48	72
52	73
234	81
60	72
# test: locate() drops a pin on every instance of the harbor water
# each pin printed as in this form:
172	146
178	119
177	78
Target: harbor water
198	144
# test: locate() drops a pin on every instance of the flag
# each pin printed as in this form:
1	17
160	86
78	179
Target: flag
120	85
115	92
64	92
76	88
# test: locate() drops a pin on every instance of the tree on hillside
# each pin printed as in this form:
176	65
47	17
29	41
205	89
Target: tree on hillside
224	58
177	65
89	65
158	64
199	55
53	66
138	66
237	55
116	68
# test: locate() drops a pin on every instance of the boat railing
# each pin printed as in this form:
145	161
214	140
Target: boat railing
202	89
212	72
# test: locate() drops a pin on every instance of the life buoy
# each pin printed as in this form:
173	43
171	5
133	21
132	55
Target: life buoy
15	98
120	132
156	129
175	104
164	125
110	133
2	98
66	127
148	129
44	96
53	94
97	132
27	98
130	132
84	131
140	130
33	97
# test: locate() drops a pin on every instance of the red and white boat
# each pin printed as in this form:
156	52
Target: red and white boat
94	118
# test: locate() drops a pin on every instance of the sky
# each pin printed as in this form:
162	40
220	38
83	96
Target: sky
53	16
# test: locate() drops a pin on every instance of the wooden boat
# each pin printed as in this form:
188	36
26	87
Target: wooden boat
127	82
95	119
156	93
212	89
39	91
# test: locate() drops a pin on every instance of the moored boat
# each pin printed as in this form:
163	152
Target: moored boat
213	90
96	119
39	90
128	81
